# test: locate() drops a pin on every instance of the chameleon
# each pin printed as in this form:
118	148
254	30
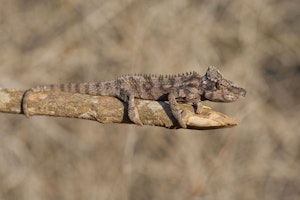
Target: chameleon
188	87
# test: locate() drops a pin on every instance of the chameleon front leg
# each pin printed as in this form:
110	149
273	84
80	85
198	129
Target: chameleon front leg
175	109
198	107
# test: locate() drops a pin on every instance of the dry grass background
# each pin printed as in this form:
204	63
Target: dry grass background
255	43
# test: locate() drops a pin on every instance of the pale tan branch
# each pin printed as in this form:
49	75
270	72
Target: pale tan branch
109	110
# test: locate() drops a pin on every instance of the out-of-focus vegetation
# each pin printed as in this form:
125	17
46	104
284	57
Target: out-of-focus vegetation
255	43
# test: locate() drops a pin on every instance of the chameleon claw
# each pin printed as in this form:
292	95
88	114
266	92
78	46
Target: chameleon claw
199	107
138	122
134	116
183	125
181	121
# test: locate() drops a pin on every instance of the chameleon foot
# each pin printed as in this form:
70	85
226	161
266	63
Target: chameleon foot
199	107
134	116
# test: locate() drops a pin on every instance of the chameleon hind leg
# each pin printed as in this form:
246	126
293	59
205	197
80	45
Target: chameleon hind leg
133	113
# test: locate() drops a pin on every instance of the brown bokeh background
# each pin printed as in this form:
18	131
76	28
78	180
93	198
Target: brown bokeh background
255	43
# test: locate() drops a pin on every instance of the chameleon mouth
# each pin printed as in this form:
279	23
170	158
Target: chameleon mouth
238	91
220	96
229	95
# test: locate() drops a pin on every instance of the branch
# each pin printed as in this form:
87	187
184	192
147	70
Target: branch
106	109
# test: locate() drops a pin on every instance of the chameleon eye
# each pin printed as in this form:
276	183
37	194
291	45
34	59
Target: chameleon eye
221	85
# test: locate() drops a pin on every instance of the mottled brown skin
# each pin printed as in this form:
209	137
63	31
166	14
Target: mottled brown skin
187	88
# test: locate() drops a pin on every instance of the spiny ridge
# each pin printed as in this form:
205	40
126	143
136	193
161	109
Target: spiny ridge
161	76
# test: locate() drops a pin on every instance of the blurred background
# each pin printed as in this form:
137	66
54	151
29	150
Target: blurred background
255	44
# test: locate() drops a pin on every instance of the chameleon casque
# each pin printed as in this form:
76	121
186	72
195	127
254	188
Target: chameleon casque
187	88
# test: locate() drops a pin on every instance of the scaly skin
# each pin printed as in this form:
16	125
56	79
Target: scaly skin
187	88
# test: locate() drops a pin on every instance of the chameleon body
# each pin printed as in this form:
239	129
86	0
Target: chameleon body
187	88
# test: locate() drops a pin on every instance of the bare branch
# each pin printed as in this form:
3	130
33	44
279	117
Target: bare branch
106	109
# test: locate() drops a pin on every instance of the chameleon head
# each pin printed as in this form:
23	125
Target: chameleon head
219	89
